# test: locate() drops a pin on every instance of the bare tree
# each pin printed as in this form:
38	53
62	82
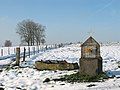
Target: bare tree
30	32
43	41
8	43
39	35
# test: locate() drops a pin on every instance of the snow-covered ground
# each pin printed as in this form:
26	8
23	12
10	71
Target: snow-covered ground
32	79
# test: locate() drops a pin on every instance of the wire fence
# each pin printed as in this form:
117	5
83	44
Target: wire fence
10	52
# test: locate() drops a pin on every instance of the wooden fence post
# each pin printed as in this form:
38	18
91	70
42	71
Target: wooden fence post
14	50
1	52
24	54
38	49
29	51
55	45
46	47
17	56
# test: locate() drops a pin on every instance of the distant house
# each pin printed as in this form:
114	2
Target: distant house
90	61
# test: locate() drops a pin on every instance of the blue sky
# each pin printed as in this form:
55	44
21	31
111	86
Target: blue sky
65	20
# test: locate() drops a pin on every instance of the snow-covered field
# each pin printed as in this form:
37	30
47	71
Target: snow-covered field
32	79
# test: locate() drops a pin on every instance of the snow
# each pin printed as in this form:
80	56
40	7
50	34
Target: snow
69	53
5	62
31	79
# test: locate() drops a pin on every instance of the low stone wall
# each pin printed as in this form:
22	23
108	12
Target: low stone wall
57	65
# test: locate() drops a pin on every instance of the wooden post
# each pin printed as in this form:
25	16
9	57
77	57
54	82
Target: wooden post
55	45
46	47
24	54
14	50
17	56
38	49
29	51
1	52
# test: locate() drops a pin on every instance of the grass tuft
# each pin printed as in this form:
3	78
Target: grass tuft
82	78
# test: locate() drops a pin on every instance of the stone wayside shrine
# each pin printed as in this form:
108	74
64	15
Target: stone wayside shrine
90	61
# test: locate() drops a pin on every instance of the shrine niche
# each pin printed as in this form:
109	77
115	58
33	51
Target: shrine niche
90	61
